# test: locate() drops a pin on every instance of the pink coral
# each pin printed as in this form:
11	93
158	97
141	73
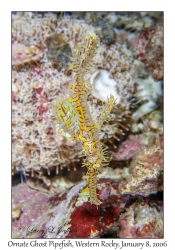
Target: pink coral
129	147
33	204
22	53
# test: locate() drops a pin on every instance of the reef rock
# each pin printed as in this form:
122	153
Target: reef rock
141	220
146	171
69	215
129	147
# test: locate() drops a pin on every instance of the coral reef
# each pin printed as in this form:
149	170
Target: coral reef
150	49
105	30
68	215
58	50
122	213
142	221
36	144
123	199
22	54
103	85
149	92
129	148
32	206
146	170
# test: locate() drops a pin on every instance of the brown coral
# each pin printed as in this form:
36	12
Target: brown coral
58	50
150	48
146	171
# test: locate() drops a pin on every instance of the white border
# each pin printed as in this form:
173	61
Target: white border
5	97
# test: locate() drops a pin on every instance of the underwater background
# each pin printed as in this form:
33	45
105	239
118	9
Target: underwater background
50	187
